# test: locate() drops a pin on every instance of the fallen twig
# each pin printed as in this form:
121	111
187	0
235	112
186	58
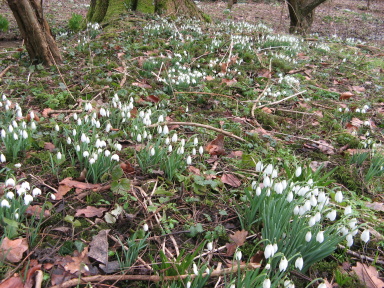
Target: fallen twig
6	70
152	278
362	257
282	100
226	133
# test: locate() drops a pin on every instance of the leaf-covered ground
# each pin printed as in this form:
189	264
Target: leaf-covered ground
184	154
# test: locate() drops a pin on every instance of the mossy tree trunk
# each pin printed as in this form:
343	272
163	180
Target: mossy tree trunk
35	31
105	10
301	13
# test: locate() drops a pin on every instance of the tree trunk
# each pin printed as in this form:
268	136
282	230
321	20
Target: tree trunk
106	10
301	13
35	31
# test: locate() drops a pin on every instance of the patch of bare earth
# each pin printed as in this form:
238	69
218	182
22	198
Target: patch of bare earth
344	18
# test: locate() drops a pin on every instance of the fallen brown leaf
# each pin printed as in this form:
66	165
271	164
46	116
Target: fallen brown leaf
35	210
235	154
368	275
216	147
78	261
346	95
239	237
127	167
194	170
13	282
90	211
358	89
326	148
142	85
49	146
229	82
231	180
153	99
209	78
46	112
375	206
12	250
98	248
267	110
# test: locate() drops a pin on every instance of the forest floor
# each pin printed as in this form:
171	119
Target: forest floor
145	159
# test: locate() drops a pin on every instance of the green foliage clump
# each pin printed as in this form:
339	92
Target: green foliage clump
4	24
75	22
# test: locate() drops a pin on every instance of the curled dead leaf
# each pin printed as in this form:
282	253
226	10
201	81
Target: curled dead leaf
346	95
216	147
12	250
231	180
90	211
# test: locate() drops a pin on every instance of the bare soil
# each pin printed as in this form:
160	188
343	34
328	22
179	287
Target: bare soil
344	18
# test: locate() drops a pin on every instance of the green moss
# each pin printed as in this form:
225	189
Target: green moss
145	6
347	139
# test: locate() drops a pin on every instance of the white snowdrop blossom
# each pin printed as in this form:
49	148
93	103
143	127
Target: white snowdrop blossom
10	182
165	130
290	197
189	160
348	210
322	285
195	270
160	119
15	137
298	171
138	138
308	236
195	141
53	197
28	199
26	186
283	264
269	251
267	283
320	237
92	160
58	155
5	204
332	215
108	127
17	165
238	255
85	154
170	148
193	151
258	191
299	263
209	246
189	283
268	170
115	157
152	151
365	236
339	197
36	192
259	166
267	181
10	195
57	128
349	239
174	138
145	227
201	150
2	158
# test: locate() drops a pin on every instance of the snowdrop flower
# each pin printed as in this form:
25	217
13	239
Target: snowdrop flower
332	215
59	156
167	141
108	127
267	283
102	112
349	239
189	283
195	141
17	216
258	191
299	263
322	285
283	264
174	138
339	197
145	227
15	137
10	128
180	150
365	235
28	199
238	255
118	146
320	237
5	204
115	157
298	171
159	129
17	165
79	122
25	185
195	270
25	134
193	151
85	154
75	116
313	201
348	210
209	246
278	187
57	128
36	192
259	166
138	138
165	130
189	160
107	153
267	182
152	151
170	148
268	170
290	197
274	173
296	210
10	195
201	150
53	197
161	119
308	236
269	251
268	266
3	133
2	158
92	161
312	221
